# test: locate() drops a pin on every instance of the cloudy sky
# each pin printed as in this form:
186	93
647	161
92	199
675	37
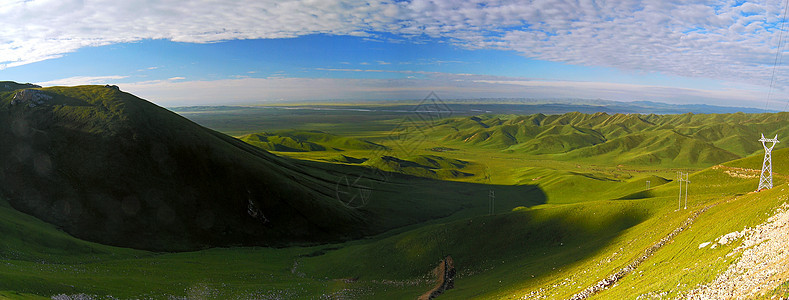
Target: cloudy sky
234	52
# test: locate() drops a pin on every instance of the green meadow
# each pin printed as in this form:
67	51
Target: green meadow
575	198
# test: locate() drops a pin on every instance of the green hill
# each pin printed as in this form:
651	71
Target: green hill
11	86
303	141
94	163
780	161
430	166
109	167
662	147
691	140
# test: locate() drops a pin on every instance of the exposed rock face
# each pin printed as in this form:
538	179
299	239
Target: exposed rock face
31	97
255	212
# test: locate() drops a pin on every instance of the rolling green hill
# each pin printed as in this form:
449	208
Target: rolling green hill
304	140
109	167
430	166
661	147
780	161
94	164
692	140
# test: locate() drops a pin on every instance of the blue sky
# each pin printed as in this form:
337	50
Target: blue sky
248	52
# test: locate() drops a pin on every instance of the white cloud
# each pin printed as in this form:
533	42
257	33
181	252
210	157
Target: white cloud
709	39
82	80
176	78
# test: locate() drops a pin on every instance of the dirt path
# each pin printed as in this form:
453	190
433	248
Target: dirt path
613	278
763	265
745	173
445	277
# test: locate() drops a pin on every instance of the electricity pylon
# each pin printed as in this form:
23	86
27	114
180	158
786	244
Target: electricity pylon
766	180
682	177
491	194
492	199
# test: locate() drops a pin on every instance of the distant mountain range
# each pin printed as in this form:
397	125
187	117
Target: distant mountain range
560	106
519	106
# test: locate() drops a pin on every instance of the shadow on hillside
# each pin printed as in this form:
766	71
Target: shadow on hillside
452	218
391	200
638	195
490	252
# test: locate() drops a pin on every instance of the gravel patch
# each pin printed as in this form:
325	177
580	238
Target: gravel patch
762	265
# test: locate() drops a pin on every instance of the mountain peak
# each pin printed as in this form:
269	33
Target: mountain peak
12	86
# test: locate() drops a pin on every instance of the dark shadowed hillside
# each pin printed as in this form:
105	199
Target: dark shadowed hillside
110	167
107	166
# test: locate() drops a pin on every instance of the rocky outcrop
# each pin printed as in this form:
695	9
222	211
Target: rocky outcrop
763	262
31	97
255	212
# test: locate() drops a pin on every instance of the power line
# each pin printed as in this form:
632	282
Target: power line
778	56
682	177
491	194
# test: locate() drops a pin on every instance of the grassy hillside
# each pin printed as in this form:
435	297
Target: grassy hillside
26	238
661	147
429	166
690	140
780	160
572	204
11	86
558	249
303	140
109	167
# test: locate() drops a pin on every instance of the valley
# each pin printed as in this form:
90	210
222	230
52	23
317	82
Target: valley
107	195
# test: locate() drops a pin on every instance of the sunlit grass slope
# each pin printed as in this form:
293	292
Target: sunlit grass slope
566	213
109	167
688	140
303	140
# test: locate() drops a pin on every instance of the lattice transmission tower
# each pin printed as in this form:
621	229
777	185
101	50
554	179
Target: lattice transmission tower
491	194
766	180
682	177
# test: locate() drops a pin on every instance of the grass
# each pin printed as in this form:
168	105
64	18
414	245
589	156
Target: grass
665	140
185	187
304	141
561	221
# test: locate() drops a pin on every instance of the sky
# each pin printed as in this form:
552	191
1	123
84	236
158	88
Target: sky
219	52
